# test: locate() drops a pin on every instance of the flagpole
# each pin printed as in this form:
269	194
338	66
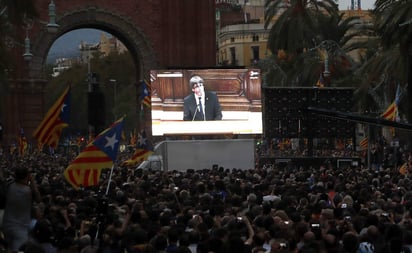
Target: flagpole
177	201
369	147
111	171
110	179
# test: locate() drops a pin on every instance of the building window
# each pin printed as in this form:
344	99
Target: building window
255	37
255	54
232	39
233	56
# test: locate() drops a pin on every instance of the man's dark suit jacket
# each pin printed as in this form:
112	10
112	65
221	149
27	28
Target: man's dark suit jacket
212	105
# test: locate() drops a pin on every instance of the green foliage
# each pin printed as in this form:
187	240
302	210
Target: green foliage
388	65
119	67
297	24
299	38
393	22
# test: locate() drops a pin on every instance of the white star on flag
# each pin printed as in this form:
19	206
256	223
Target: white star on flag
111	141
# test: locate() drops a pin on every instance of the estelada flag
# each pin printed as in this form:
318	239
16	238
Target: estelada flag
99	154
390	113
142	152
139	155
57	118
145	96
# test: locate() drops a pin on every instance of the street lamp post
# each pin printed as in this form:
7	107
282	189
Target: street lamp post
114	81
326	72
52	26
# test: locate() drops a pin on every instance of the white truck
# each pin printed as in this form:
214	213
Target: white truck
182	155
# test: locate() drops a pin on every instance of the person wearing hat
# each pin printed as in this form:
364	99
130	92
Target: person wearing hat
201	104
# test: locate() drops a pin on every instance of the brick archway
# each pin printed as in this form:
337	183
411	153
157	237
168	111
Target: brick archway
151	31
116	24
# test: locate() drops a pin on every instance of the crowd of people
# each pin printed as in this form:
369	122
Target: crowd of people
264	209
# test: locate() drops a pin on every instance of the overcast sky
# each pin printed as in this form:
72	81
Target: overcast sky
365	4
68	44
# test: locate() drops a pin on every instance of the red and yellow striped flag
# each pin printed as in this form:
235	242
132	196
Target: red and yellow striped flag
99	154
138	156
364	143
57	118
390	113
23	144
133	138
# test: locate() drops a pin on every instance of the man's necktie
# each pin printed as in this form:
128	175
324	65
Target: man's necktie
201	106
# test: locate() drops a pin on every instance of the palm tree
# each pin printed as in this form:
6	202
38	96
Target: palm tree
297	25
391	63
393	24
379	76
303	29
336	39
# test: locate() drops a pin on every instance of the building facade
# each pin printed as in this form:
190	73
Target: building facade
241	35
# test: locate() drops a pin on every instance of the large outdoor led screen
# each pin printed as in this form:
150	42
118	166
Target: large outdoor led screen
176	109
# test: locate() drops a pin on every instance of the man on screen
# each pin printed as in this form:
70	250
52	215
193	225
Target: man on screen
201	104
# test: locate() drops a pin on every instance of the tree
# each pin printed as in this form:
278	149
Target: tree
305	35
393	24
296	27
114	66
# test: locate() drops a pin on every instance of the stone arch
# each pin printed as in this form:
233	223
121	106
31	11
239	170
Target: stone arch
131	36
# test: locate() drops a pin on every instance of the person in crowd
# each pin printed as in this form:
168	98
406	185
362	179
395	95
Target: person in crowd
200	104
42	235
266	209
21	194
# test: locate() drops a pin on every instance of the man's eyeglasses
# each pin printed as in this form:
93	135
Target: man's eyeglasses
196	85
